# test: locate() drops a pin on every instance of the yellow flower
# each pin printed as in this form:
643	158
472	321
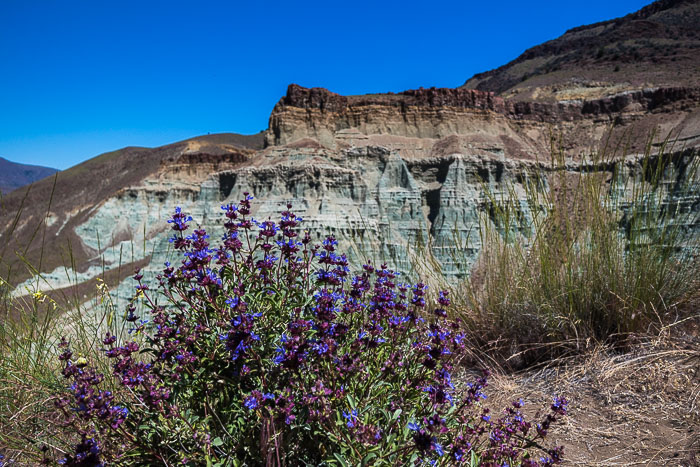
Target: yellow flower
39	296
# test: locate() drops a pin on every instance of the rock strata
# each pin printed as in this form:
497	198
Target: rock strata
407	179
438	113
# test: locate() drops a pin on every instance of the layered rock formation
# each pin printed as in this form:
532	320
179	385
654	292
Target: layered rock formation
393	176
523	128
402	178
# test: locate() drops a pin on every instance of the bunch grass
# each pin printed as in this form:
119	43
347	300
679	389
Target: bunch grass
591	253
32	322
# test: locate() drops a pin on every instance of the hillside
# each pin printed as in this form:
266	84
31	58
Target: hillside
14	175
387	169
657	46
78	191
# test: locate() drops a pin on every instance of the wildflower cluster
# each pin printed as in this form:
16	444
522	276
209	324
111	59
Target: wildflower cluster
267	349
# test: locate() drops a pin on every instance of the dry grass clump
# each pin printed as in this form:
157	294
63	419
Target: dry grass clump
592	253
30	371
29	378
641	407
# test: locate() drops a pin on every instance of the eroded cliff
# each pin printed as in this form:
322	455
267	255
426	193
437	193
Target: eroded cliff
398	178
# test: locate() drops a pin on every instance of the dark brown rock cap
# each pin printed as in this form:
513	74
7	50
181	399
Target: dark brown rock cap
649	100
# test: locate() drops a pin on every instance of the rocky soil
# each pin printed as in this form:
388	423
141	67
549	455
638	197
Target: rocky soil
640	408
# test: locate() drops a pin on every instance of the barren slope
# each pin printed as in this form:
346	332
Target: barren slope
39	223
657	46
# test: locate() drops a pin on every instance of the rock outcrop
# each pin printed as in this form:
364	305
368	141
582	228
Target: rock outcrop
481	119
394	177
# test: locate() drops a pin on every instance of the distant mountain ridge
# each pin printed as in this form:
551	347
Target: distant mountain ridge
14	175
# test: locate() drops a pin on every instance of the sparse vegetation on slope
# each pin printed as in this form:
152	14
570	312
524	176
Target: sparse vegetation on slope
658	45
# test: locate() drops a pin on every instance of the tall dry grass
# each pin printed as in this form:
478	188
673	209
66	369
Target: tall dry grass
592	253
33	319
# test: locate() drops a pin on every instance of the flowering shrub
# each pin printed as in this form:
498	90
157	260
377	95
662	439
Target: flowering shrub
266	350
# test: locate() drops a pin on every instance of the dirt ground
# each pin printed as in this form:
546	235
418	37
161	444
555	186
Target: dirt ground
641	407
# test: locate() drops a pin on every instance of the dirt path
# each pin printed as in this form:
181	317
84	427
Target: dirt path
637	408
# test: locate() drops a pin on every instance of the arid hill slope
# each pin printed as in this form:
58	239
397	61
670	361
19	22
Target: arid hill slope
39	222
657	46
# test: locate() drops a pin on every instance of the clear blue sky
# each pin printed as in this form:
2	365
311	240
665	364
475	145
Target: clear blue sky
78	78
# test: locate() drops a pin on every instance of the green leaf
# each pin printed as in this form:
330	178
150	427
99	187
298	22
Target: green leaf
217	442
367	458
341	460
474	462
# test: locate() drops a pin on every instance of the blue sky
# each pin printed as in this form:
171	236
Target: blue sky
79	78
